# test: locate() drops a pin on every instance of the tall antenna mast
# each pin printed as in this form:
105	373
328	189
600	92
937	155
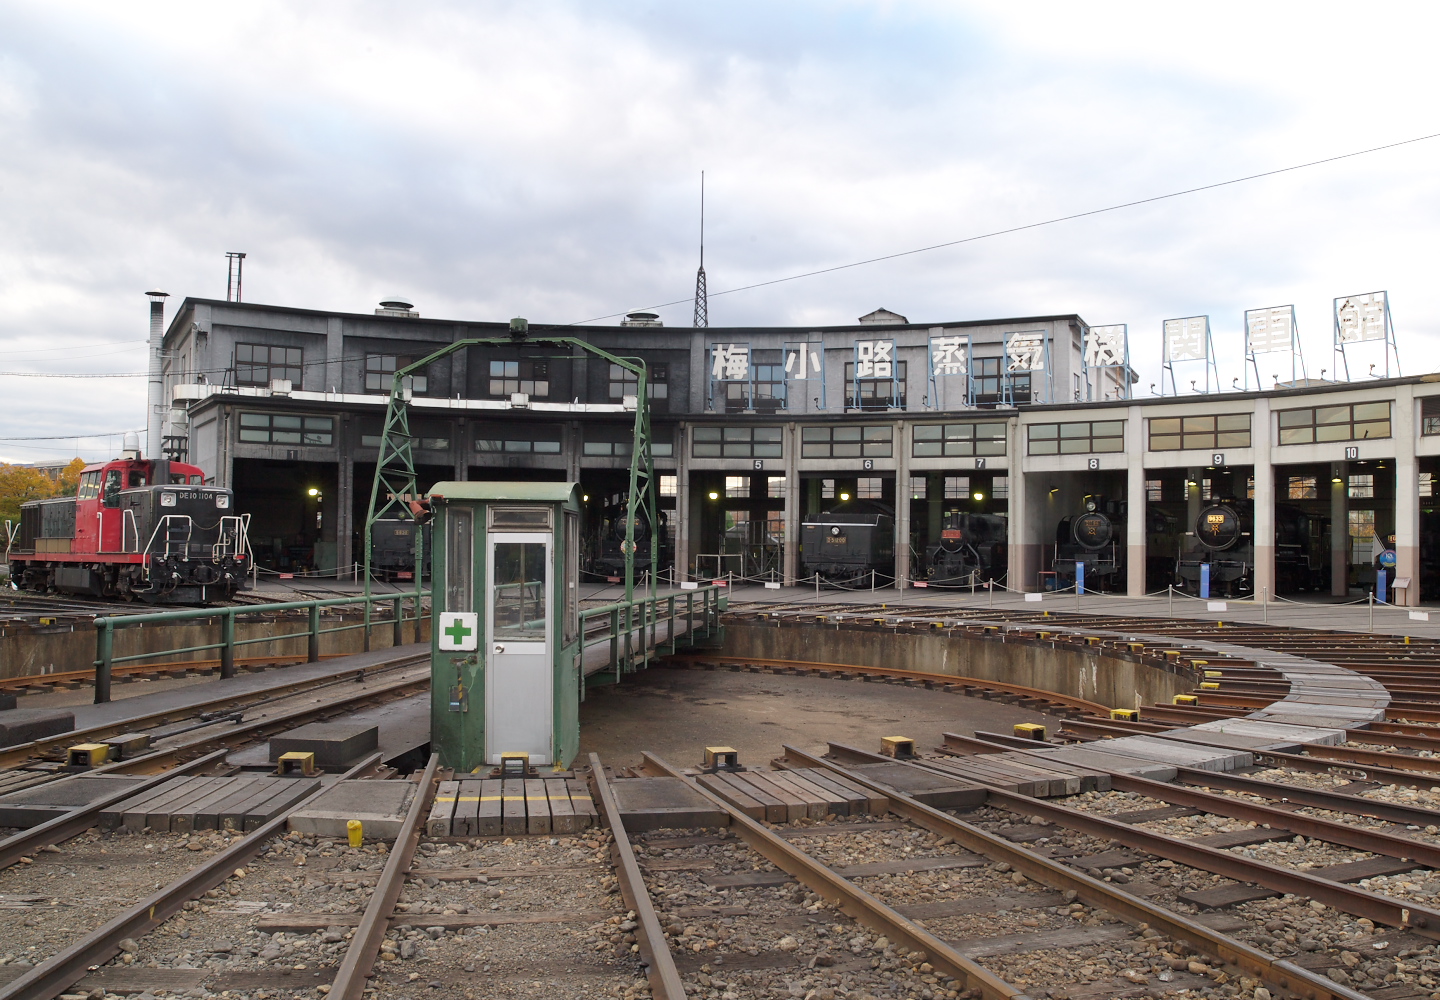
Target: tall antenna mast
235	264
702	304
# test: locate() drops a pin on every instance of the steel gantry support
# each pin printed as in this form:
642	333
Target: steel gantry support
395	484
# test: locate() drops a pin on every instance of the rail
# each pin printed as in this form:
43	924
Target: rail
106	627
636	631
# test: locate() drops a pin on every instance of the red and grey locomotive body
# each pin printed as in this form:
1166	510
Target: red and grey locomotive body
137	528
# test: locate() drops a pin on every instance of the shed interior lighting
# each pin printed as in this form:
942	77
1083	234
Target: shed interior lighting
1338	481
979	496
586	498
714	495
313	492
844	496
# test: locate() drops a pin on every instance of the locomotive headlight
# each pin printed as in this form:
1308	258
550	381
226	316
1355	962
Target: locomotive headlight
834	531
222	501
1090	505
167	499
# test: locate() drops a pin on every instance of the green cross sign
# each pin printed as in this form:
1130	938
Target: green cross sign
457	631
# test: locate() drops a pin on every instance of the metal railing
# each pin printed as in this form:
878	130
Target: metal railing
227	643
635	631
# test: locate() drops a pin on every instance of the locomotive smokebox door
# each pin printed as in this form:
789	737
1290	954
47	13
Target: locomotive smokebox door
505	650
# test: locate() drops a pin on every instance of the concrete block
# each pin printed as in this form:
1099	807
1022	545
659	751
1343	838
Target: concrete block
380	807
26	724
33	806
7	702
334	744
1274	732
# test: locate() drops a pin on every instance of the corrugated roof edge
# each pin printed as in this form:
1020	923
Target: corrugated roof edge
537	492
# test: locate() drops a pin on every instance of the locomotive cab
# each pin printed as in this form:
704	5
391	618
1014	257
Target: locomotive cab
851	543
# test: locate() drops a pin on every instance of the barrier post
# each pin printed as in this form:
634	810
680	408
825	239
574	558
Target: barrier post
104	659
1264	605
227	639
1170	593
1370	600
990	589
312	651
397	638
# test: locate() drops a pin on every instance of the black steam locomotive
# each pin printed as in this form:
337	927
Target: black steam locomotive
610	557
971	549
849	544
392	549
1095	538
136	528
1224	538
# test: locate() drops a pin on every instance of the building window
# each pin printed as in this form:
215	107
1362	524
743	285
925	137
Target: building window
508	377
1426	484
738	442
257	364
497	439
875	393
775	487
869	488
1080	438
380	373
1000	487
1154	490
988	381
274	428
769	374
669	485
624	382
827	489
1226	430
846	442
1362	535
957	487
1430	415
1361	487
917	487
737	487
1302	488
1349	422
958	440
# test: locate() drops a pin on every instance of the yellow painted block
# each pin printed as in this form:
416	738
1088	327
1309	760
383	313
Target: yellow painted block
897	746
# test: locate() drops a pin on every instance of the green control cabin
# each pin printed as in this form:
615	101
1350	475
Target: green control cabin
505	652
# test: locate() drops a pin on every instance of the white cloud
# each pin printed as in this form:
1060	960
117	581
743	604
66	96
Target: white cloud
521	159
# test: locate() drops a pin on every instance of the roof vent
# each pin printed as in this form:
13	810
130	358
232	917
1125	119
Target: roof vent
397	305
883	317
641	318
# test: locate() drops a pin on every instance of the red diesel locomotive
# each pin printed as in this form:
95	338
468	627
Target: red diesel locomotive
137	528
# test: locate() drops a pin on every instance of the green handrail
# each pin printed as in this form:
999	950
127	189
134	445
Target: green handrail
107	625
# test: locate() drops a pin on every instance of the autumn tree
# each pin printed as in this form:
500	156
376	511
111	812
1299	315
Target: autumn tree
19	484
70	478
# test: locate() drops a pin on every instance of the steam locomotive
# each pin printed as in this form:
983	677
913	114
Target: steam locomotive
392	549
971	549
1225	539
850	543
137	528
610	559
1095	538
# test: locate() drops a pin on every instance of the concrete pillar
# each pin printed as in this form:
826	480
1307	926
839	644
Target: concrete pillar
459	367
682	503
345	554
1135	503
902	505
334	370
1264	526
1407	500
934	506
1192	498
1020	548
460	449
1339	529
794	503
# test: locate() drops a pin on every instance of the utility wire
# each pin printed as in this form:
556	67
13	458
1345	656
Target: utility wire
884	257
1036	225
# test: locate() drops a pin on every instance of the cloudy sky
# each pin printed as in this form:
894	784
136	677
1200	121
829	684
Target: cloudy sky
542	159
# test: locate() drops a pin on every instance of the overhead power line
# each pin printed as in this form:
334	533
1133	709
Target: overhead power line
1037	225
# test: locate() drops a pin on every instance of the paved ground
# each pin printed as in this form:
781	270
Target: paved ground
677	713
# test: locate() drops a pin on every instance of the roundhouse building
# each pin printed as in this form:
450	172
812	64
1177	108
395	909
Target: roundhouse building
756	429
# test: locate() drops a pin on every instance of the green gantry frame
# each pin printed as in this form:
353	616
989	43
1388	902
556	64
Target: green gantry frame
395	484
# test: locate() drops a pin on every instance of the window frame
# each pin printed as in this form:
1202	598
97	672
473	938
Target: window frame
847	441
1188	433
299	430
1292	427
719	441
1069	433
959	440
295	372
384	377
